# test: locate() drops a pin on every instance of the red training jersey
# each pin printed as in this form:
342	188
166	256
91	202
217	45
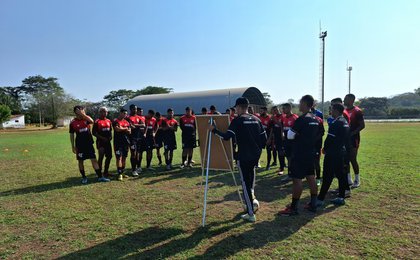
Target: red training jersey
356	117
102	127
288	121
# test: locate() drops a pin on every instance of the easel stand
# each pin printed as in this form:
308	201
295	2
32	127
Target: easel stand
207	154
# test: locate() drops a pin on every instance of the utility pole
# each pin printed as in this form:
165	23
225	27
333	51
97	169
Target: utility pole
349	69
322	36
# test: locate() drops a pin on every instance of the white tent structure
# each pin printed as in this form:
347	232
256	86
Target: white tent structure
222	99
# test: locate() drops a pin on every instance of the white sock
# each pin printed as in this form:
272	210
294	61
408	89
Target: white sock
349	178
357	178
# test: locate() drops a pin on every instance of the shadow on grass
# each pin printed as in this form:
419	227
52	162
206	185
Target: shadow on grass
161	243
68	183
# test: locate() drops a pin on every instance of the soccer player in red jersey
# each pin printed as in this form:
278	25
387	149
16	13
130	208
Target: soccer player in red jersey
357	124
159	136
213	110
136	124
151	128
102	130
265	119
169	128
288	121
83	145
252	112
187	124
277	137
122	131
318	147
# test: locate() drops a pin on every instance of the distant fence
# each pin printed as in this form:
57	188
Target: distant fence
401	120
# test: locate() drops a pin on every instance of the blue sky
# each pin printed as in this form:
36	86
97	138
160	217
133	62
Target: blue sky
94	47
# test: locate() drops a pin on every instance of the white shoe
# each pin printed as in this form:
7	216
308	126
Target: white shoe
135	174
249	218
356	184
347	194
84	181
138	170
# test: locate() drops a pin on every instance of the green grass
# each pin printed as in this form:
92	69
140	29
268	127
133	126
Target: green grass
46	213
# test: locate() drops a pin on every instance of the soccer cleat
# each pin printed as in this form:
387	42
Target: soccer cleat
120	177
338	201
168	167
190	165
355	185
288	211
103	179
182	166
334	192
280	173
347	194
159	164
84	180
125	175
249	218
135	174
274	164
318	182
309	207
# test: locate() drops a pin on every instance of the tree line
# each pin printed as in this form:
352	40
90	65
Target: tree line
42	100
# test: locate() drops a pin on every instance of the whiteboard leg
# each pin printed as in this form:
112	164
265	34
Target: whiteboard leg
207	176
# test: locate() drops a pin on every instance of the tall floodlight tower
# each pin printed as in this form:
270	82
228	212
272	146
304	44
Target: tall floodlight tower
322	36
349	69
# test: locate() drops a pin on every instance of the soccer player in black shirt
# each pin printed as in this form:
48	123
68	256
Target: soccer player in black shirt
250	137
83	146
304	133
335	148
187	124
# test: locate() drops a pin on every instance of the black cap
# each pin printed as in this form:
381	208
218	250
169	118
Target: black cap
241	101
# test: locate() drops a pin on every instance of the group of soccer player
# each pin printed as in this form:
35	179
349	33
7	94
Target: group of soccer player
299	140
286	137
133	133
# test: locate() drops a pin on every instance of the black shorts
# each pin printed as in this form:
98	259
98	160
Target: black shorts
301	169
149	143
169	145
189	142
158	141
106	146
85	152
121	150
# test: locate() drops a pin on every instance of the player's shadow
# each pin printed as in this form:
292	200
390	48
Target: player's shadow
162	243
153	242
68	183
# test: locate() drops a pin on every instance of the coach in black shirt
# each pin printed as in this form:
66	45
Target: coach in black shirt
304	133
250	137
335	148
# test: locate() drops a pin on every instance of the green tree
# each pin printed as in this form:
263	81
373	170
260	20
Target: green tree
150	90
12	97
267	97
417	91
374	106
5	113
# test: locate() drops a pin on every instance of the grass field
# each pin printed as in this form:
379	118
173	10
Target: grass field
46	213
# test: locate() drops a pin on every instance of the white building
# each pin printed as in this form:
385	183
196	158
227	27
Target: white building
64	121
15	121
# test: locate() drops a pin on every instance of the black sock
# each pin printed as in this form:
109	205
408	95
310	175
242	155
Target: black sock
119	170
139	163
295	203
189	159
99	173
133	164
313	200
82	172
148	162
160	159
184	158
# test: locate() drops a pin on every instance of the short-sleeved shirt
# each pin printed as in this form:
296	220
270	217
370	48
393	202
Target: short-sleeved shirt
135	120
187	124
276	126
231	118
306	128
151	125
288	122
356	118
337	140
102	127
169	134
121	138
248	132
265	121
82	129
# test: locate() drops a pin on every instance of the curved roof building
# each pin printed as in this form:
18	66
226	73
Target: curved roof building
222	99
